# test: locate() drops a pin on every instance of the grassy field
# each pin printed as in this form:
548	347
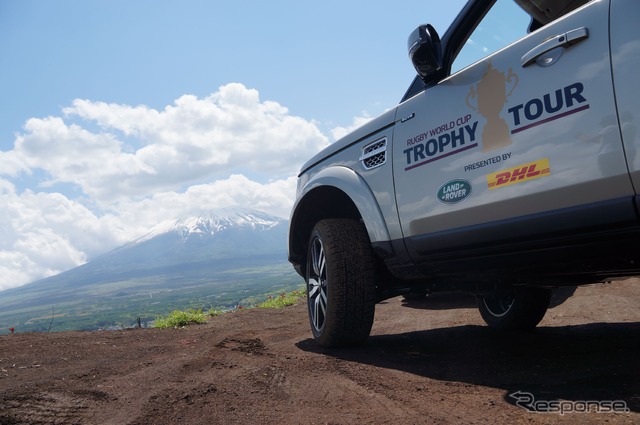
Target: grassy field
125	303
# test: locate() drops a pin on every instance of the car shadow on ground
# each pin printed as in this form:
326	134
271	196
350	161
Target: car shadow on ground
597	361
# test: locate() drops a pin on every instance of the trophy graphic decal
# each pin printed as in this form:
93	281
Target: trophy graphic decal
490	95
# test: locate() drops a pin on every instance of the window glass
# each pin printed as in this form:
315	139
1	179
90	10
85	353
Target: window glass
505	23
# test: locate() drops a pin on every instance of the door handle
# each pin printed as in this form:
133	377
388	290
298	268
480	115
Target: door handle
567	39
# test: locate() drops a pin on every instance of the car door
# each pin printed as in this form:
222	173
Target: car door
515	144
625	57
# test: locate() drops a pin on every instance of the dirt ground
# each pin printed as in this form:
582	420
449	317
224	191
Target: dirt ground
427	361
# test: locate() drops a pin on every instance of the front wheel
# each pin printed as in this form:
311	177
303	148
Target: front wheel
340	283
518	308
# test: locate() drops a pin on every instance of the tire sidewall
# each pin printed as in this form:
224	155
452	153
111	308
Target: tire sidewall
350	278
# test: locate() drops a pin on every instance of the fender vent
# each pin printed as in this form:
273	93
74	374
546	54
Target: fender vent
374	154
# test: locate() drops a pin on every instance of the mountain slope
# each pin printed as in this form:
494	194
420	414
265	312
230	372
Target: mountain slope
215	236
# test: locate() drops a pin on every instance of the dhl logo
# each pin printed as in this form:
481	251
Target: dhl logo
519	174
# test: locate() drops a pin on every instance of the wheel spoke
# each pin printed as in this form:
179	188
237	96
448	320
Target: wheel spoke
319	310
318	260
321	263
316	314
316	285
322	299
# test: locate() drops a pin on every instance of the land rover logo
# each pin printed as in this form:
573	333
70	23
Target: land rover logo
454	191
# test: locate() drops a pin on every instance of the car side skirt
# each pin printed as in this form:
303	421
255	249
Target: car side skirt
588	243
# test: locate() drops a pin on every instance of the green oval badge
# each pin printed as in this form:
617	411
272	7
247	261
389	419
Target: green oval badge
454	191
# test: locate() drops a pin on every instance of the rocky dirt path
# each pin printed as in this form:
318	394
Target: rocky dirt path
428	361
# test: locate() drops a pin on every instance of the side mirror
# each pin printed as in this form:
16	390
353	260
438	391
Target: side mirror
425	51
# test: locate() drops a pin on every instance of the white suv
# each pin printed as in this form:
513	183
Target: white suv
508	169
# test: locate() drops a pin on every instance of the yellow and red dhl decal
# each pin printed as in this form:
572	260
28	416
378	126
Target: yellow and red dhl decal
519	174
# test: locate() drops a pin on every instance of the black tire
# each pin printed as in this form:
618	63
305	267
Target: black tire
518	308
340	280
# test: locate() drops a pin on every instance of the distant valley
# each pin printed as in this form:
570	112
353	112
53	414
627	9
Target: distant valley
219	260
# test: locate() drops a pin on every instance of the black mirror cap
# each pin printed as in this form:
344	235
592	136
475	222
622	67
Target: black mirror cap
425	51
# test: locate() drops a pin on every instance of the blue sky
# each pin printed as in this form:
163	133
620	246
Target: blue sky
118	115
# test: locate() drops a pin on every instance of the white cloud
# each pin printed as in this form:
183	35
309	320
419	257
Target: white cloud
11	164
71	154
140	151
42	234
228	131
358	121
45	233
135	167
273	197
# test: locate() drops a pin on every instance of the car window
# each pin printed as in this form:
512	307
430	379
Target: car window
505	23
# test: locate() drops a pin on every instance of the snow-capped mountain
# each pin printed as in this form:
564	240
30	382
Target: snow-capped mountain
217	258
214	235
213	222
191	248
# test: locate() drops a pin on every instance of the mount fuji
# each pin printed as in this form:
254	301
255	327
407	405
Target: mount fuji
219	259
225	234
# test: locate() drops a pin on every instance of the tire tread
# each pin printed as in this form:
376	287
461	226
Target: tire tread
351	277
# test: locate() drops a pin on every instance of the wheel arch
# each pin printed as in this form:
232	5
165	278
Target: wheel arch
334	192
